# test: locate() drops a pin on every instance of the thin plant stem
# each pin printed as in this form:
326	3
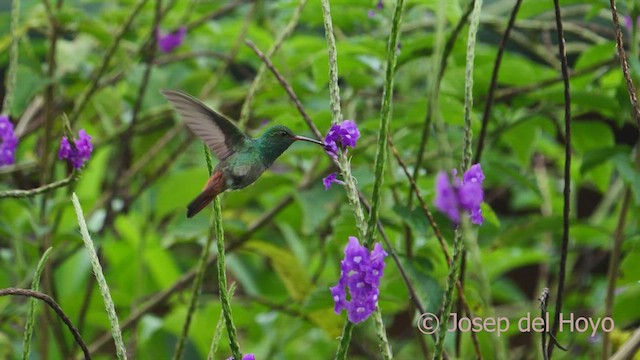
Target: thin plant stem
222	275
485	288
102	283
546	210
434	87
35	285
39	190
567	178
544	297
336	112
623	59
53	305
494	81
286	87
612	272
13	58
614	260
458	243
102	69
345	340
468	85
505	94
629	348
432	100
385	114
222	282
257	81
223	10
142	88
217	335
197	283
124	155
383	342
483	129
334	89
454	271
436	231
349	180
47	169
222	70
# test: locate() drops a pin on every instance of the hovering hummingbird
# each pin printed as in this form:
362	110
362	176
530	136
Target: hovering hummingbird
241	159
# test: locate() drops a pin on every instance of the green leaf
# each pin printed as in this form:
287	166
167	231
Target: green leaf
593	158
625	308
530	229
290	271
427	288
28	84
298	285
162	266
415	218
500	261
629	174
177	189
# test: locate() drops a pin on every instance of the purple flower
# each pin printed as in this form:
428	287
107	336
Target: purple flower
465	194
8	142
627	22
331	179
341	135
169	41
360	273
379	5
245	357
371	13
79	152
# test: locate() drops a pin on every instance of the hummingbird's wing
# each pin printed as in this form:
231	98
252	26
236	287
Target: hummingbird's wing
220	134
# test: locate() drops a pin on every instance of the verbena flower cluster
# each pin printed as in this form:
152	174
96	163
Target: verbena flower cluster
360	273
169	41
331	179
465	194
79	153
245	357
340	136
8	142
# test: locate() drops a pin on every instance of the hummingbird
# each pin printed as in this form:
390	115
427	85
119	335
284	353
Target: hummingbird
242	159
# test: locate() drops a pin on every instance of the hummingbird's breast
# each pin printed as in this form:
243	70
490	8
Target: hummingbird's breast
243	168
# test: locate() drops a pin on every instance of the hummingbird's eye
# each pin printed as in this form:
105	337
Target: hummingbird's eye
283	133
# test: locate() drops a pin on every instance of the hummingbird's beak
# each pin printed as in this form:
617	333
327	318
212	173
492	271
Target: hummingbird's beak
302	138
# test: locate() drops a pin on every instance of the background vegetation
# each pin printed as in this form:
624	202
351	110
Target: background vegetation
96	62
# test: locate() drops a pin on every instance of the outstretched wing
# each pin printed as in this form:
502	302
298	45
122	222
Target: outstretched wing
220	134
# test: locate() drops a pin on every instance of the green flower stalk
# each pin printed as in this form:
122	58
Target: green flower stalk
365	230
458	243
102	282
222	275
385	114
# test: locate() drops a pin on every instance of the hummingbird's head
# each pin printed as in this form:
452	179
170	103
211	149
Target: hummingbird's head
275	140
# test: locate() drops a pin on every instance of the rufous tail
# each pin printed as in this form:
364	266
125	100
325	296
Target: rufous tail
215	185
